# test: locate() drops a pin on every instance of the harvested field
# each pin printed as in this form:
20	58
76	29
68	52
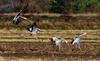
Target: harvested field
20	45
45	35
45	51
54	21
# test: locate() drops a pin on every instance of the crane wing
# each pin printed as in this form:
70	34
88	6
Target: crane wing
23	17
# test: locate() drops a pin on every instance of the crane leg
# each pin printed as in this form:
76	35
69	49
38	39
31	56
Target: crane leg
79	46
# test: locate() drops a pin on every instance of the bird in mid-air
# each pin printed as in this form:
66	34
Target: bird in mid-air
18	17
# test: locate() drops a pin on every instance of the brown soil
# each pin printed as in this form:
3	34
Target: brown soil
45	49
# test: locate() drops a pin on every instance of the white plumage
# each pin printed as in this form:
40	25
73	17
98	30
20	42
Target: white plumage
57	41
76	40
34	30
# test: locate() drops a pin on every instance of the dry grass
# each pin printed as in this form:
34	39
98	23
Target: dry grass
41	51
40	59
15	41
48	22
45	35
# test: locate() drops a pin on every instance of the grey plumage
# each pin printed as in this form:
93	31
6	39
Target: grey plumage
76	40
34	29
18	16
57	41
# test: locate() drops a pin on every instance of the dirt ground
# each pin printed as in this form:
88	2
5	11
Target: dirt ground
46	51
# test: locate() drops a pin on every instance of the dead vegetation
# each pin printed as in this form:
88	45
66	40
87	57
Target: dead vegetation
46	50
62	22
22	46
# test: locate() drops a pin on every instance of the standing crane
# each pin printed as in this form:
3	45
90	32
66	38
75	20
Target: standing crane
34	29
57	41
76	40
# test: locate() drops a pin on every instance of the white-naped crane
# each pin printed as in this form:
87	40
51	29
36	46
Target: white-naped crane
57	41
34	29
76	40
17	18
